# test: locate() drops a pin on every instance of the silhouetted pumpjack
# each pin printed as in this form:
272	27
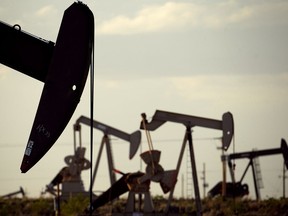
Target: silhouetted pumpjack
138	183
237	189
63	67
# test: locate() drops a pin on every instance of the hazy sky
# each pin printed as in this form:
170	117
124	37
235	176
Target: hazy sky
200	58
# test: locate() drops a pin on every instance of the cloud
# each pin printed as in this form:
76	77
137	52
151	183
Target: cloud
110	84
271	13
175	15
47	10
151	18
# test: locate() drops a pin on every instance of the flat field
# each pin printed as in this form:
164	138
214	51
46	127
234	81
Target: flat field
210	207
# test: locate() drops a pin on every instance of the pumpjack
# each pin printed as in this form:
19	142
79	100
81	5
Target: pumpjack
133	139
138	184
62	67
70	176
237	188
9	195
161	117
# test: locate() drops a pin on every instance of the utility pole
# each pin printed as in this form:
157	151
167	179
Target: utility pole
205	185
224	161
284	179
182	185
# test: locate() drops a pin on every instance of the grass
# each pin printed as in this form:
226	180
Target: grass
210	207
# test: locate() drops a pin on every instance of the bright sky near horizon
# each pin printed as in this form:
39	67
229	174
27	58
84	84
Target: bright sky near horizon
200	58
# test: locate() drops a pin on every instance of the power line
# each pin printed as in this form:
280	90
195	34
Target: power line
65	144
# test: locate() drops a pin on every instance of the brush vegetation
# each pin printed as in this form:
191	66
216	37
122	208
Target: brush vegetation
210	207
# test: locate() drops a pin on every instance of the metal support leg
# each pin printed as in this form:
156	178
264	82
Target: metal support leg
110	160
177	169
98	161
194	172
257	190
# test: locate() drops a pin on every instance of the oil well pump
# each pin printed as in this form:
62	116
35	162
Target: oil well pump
63	68
237	188
70	176
137	184
133	139
9	195
161	117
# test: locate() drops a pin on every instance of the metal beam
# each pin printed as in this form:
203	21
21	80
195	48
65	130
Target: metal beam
226	125
266	152
24	52
134	139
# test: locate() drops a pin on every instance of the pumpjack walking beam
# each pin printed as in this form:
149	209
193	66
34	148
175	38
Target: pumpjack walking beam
51	63
134	139
226	125
21	191
24	52
254	154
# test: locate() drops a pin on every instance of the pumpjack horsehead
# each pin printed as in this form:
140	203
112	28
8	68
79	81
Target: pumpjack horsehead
62	66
